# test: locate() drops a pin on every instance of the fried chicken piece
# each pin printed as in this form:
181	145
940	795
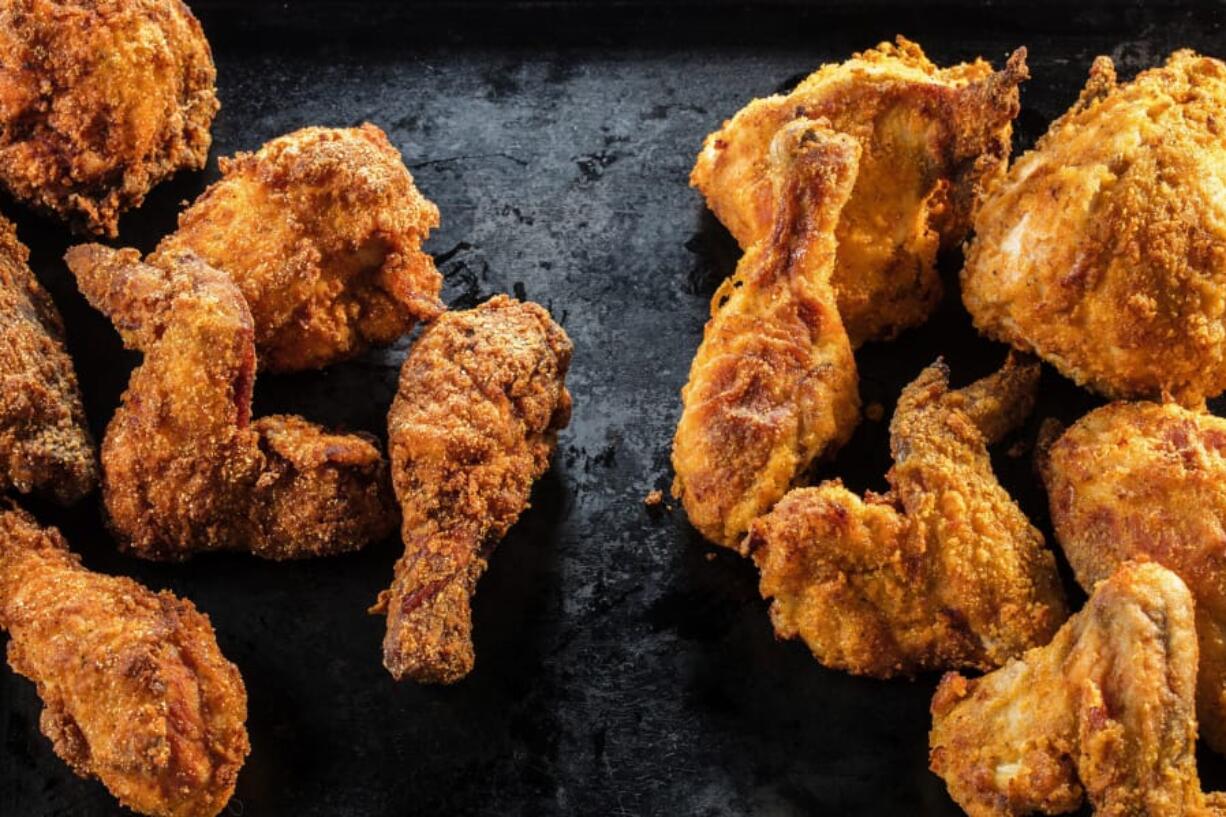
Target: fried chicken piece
1104	711
45	446
1104	250
322	232
476	419
942	571
99	101
185	468
929	138
1141	481
135	690
773	386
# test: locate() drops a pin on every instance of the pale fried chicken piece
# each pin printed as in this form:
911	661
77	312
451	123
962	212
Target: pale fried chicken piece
1104	711
184	467
45	446
135	690
321	230
481	401
773	386
943	571
99	101
1141	481
1104	250
929	138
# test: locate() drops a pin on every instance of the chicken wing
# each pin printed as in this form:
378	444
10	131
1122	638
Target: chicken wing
1105	711
481	400
135	690
773	386
99	101
45	446
184	467
322	232
943	571
929	138
1104	250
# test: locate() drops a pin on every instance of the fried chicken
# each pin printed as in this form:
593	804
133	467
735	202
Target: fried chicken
45	446
135	690
184	467
1104	250
1141	481
929	138
942	571
773	386
1105	711
99	101
481	401
322	232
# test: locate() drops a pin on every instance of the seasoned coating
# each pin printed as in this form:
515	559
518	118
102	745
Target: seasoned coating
476	419
1141	481
942	571
1104	712
929	137
184	467
99	101
45	446
322	232
135	690
1104	250
773	386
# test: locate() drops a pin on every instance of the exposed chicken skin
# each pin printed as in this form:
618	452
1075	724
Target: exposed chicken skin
773	385
1148	482
44	444
1104	250
184	467
943	571
321	230
99	101
929	138
135	690
1104	711
475	421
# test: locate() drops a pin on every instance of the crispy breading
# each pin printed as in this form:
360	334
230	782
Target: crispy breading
473	426
184	467
99	101
135	690
943	571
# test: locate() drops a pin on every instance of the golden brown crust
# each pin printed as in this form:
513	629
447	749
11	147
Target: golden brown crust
943	571
99	101
45	446
184	467
1104	250
135	689
473	426
930	137
773	385
322	231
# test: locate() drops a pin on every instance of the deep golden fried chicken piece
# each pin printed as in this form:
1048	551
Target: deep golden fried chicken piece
1104	250
99	101
135	690
45	446
184	467
773	386
1105	712
929	137
476	419
942	571
1141	481
322	232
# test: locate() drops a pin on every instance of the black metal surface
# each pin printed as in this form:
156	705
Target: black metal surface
623	667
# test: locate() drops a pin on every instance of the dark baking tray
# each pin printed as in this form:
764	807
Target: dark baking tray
623	666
